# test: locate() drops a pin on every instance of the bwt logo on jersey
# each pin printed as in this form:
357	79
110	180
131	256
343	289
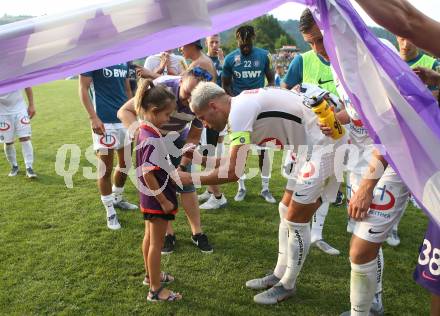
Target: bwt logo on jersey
25	120
107	140
248	74
115	73
4	126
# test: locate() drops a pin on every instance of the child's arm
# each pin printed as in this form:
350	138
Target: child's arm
153	184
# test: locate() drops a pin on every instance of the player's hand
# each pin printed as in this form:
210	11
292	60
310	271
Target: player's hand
428	76
360	204
296	88
221	55
327	131
167	206
31	111
188	150
97	126
184	177
164	60
142	72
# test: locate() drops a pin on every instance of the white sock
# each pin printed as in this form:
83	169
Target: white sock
241	183
28	153
396	224
283	235
318	222
219	150
265	183
379	276
117	193
362	287
11	154
297	248
107	200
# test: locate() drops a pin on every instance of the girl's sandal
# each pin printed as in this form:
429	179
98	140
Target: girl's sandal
165	278
153	296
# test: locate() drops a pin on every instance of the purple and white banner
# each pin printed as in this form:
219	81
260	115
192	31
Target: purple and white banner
397	109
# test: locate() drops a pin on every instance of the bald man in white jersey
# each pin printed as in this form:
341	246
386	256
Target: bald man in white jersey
279	117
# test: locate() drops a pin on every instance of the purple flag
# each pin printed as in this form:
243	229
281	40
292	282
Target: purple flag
396	107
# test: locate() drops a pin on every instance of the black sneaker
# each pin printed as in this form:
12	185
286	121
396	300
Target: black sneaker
14	171
169	244
201	241
339	199
30	173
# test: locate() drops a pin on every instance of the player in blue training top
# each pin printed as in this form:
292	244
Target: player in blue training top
103	92
247	68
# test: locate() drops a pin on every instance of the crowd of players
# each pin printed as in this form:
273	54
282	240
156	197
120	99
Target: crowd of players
214	95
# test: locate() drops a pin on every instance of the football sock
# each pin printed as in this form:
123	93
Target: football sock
11	154
117	193
241	185
107	200
28	153
318	222
362	287
379	276
283	235
297	248
265	183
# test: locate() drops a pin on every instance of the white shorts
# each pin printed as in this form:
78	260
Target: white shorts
313	179
114	138
14	126
390	200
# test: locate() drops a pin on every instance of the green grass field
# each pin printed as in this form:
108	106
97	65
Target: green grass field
58	257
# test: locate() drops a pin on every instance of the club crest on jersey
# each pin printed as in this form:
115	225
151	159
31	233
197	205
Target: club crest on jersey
4	126
357	123
237	60
257	63
385	202
271	142
25	120
107	140
308	170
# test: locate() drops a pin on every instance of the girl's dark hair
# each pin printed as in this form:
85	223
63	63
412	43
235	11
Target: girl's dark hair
306	21
245	32
149	95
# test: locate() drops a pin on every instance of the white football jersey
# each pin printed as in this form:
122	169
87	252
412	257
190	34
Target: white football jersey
177	63
277	116
12	103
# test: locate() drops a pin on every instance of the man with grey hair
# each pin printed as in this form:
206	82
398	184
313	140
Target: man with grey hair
272	116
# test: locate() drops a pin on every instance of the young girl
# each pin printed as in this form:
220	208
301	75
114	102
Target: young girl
154	105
